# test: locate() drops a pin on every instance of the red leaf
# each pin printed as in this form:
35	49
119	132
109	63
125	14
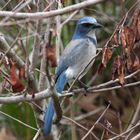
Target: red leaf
17	85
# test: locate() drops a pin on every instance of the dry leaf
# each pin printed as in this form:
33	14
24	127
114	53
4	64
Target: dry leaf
17	85
116	66
118	70
123	38
107	54
135	24
51	56
121	75
129	36
136	64
138	27
135	18
22	72
115	37
115	40
129	63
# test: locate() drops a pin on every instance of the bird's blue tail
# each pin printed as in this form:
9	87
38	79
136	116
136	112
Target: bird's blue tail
50	111
48	118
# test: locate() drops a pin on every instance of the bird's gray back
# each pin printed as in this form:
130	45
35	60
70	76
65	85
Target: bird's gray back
76	55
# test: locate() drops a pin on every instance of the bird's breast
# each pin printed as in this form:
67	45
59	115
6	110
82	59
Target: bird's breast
82	65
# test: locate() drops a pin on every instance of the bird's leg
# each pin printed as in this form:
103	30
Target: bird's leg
83	85
68	85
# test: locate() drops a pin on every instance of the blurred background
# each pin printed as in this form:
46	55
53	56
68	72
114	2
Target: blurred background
23	34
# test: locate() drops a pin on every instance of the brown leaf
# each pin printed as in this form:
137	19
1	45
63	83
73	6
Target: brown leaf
123	38
118	70
135	23
116	66
135	18
129	36
136	64
22	73
129	63
115	37
107	54
138	27
115	40
121	75
51	56
17	85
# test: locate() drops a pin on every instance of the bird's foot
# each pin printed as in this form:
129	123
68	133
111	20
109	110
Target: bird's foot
84	86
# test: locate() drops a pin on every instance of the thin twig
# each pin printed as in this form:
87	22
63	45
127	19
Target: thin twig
96	122
113	133
116	80
69	18
11	46
92	90
37	134
4	46
135	116
120	135
9	116
17	8
79	125
134	119
83	116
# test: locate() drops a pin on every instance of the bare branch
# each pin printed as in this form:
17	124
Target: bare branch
51	13
46	93
4	47
137	137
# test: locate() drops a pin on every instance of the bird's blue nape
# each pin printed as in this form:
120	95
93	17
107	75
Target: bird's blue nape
84	26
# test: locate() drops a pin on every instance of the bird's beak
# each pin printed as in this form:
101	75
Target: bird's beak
98	25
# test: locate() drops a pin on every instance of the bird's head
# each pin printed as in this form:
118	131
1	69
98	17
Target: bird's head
86	26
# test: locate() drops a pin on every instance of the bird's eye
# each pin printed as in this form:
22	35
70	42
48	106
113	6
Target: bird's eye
87	24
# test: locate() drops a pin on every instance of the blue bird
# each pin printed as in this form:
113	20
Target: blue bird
78	53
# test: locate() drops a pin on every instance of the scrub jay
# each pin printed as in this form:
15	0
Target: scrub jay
78	53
